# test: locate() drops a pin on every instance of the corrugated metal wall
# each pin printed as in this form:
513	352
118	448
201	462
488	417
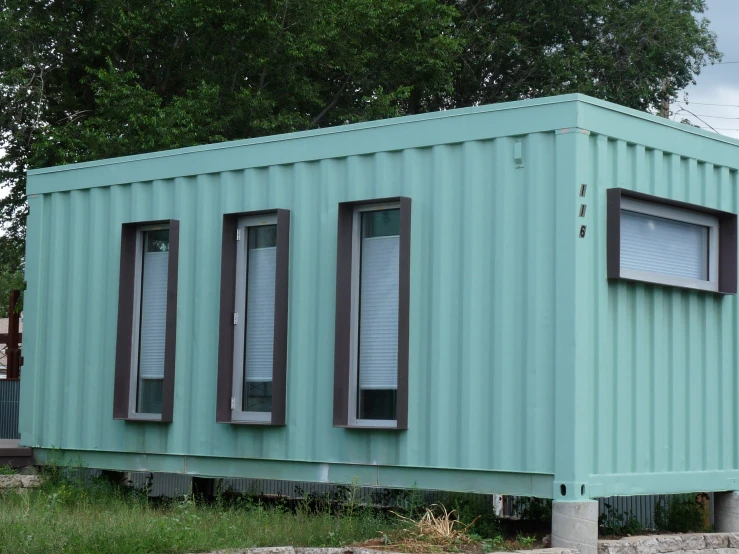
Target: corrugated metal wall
482	336
639	507
173	485
9	408
664	360
503	292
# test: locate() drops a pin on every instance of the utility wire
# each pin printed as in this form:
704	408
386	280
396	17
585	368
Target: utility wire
698	118
708	104
717	128
715	116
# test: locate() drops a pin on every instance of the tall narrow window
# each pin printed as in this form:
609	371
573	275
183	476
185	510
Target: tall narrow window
147	317
372	300
376	311
152	320
253	342
256	265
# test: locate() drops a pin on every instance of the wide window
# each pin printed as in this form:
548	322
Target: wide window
670	243
253	344
147	321
371	366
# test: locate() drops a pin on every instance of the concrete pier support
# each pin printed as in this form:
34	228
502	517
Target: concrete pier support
575	525
726	512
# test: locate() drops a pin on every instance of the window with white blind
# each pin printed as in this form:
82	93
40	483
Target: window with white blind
668	245
372	326
150	320
252	340
147	321
254	318
670	242
375	310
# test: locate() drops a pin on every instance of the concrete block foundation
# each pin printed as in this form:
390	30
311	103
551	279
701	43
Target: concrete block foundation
726	512
575	526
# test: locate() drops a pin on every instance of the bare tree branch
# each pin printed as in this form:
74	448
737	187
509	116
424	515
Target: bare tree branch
331	105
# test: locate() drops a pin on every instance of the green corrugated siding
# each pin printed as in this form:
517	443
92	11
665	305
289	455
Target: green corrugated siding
481	296
664	360
525	363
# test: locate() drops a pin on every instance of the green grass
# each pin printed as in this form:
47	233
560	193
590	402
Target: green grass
98	518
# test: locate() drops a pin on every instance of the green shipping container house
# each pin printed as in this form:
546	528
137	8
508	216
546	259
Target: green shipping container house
531	298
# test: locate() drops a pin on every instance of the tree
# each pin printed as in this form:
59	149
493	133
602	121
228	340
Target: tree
92	79
11	271
632	52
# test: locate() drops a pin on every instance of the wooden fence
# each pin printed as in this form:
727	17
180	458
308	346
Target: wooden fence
10	342
11	361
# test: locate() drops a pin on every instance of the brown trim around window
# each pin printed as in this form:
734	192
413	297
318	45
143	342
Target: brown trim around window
124	339
343	327
613	233
224	385
727	224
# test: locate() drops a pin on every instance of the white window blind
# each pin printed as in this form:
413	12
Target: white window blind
660	245
153	315
378	313
260	314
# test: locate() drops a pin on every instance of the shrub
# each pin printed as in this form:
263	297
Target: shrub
613	522
533	509
683	513
475	508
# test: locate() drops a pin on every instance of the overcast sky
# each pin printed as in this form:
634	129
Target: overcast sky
718	84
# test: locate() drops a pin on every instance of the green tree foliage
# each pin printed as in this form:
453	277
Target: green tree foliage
92	79
632	52
11	271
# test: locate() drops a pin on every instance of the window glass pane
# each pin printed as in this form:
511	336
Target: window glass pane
378	315
152	322
260	318
150	396
258	396
263	236
381	223
660	245
157	241
378	404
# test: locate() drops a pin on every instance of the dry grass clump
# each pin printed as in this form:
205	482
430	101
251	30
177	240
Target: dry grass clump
438	529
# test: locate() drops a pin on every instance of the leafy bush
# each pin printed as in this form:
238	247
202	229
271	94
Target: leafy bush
474	508
533	509
526	541
683	513
409	500
613	522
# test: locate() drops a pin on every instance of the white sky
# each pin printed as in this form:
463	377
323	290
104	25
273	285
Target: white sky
718	84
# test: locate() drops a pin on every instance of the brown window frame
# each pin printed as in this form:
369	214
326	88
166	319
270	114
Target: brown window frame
727	239
343	323
229	246
126	308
